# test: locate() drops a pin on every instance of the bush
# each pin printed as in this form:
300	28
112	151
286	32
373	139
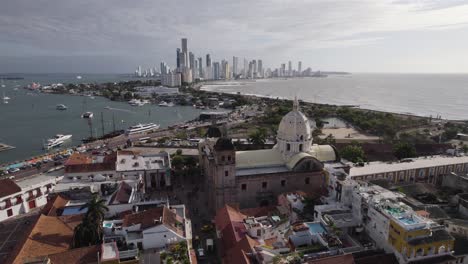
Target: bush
353	153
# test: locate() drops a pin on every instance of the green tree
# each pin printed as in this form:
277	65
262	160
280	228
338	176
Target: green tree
403	150
258	137
89	231
353	153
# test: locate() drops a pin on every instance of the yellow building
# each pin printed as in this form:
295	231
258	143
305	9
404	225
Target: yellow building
415	237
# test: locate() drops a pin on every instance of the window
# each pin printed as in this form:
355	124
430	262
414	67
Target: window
244	187
283	183
288	147
226	173
259	232
10	212
302	137
222	158
229	158
300	147
264	185
307	180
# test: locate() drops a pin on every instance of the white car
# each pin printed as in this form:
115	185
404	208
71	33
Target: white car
201	252
13	170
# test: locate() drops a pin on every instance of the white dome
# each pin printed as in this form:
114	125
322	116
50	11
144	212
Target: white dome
294	133
294	126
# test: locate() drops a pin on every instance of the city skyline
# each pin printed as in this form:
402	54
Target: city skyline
357	36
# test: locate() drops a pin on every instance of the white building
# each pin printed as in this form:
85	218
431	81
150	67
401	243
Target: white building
149	91
154	169
171	79
151	228
24	195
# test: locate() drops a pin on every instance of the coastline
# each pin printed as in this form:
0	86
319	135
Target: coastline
206	86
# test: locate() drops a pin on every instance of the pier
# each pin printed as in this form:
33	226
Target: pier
5	147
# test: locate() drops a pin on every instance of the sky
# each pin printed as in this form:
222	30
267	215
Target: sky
115	36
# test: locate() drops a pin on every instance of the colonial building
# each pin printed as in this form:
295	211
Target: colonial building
22	196
255	178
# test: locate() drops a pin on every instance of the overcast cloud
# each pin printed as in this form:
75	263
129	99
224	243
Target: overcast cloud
117	35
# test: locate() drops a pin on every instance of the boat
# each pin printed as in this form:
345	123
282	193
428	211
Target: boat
87	115
56	141
136	102
141	128
79	77
166	104
5	98
61	107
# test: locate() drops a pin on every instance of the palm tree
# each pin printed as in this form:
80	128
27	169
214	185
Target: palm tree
96	209
90	231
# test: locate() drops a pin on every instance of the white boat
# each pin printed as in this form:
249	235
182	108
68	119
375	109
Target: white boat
79	77
5	98
61	107
141	128
136	102
56	141
87	115
166	104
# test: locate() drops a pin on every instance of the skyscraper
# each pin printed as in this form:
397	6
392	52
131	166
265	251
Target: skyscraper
179	57
246	68
164	68
299	68
185	53
289	68
235	61
260	69
208	60
200	68
216	71
191	60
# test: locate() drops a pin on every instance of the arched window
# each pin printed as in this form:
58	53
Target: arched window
300	147
302	137
288	147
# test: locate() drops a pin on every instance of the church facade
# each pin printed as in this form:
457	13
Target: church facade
255	178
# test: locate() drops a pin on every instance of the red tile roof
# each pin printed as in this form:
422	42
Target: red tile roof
8	187
258	211
226	215
238	254
78	159
122	195
49	235
148	218
91	167
340	259
85	255
55	203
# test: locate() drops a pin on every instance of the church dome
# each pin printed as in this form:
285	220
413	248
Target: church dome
294	133
294	126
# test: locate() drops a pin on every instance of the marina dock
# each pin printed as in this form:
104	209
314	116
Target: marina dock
5	147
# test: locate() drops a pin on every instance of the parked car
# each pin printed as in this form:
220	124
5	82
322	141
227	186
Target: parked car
13	170
201	253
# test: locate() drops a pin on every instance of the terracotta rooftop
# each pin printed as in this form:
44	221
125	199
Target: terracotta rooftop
54	206
84	255
173	221
238	254
226	215
122	195
8	187
78	159
90	167
258	211
148	218
340	259
49	235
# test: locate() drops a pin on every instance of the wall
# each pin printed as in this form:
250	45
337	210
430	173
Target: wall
255	193
159	236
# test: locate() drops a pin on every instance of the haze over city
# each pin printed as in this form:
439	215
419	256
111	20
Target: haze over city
115	36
